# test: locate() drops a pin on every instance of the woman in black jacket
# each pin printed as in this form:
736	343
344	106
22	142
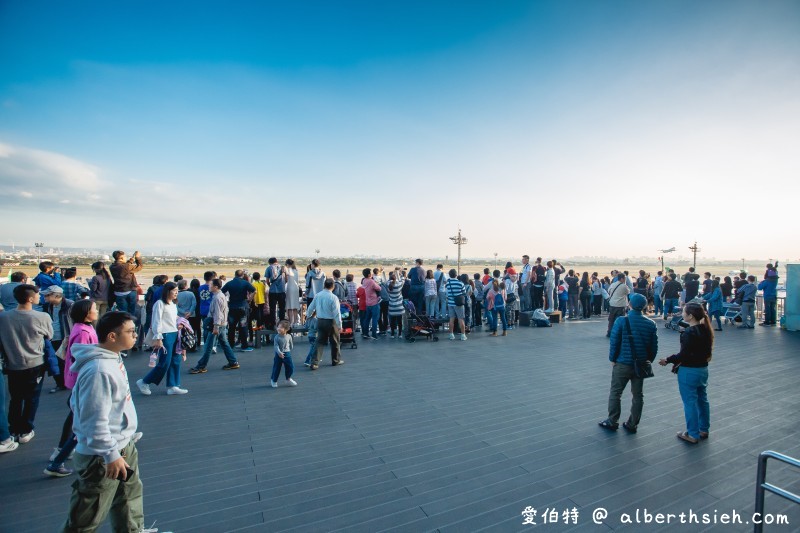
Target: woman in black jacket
691	365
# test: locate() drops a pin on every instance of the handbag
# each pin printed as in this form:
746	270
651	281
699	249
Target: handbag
642	368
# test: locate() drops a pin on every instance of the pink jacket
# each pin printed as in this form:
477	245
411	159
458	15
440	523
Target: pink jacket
372	291
80	334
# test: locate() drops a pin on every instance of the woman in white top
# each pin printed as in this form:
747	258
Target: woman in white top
164	330
292	292
549	287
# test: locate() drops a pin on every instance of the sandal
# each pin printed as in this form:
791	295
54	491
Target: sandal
608	425
688	438
628	428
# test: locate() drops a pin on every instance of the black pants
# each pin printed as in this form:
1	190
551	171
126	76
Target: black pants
24	389
597	303
237	320
326	330
613	314
537	297
396	322
66	429
586	303
477	319
276	299
383	318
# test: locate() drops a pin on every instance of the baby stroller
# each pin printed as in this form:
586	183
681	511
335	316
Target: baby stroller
733	313
419	325
348	333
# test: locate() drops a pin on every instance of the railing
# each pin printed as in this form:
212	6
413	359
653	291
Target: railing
762	485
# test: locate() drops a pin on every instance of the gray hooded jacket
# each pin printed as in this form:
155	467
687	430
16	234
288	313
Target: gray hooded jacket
104	416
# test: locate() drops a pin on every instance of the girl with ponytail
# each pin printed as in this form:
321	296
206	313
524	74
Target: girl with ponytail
691	365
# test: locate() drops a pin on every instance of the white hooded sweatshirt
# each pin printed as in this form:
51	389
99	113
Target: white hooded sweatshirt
104	416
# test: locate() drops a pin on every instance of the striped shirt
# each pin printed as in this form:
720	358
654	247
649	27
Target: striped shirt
454	288
395	299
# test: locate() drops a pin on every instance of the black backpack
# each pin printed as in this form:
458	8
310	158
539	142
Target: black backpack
188	339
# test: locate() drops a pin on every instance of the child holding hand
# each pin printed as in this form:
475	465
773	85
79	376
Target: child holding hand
283	355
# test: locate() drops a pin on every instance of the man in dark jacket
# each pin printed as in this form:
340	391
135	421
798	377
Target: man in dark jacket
57	307
123	271
691	283
641	344
239	291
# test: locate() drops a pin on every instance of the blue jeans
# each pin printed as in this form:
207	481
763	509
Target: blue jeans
373	312
669	305
441	304
658	308
4	433
286	362
431	305
312	348
169	363
127	303
220	338
501	311
417	296
491	319
692	383
770	310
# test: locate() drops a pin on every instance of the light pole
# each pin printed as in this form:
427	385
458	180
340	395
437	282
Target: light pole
39	246
459	240
495	260
694	250
316	251
742	264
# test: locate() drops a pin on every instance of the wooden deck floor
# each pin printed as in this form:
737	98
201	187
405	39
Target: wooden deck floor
448	436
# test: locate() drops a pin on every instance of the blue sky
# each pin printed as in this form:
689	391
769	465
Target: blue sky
553	128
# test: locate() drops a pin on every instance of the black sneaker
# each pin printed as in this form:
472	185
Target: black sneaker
231	366
197	370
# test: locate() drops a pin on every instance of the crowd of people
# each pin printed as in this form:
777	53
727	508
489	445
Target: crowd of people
80	335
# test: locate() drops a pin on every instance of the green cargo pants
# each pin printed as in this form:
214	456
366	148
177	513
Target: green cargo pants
94	496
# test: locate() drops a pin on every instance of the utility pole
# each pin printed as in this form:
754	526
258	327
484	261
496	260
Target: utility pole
694	250
459	240
39	246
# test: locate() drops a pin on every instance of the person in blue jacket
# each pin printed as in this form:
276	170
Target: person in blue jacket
714	300
632	336
769	286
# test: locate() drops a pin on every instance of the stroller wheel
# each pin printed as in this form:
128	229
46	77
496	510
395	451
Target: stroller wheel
667	325
411	339
436	339
354	346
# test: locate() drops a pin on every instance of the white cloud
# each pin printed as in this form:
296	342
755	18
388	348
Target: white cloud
26	194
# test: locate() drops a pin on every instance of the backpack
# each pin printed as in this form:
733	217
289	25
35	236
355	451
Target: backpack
188	339
339	290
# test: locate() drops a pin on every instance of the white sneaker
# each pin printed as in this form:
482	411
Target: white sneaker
8	445
463	337
176	390
214	349
291	382
144	388
452	337
27	437
273	384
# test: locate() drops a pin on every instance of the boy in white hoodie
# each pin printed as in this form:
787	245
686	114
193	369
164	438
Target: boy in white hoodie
105	426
